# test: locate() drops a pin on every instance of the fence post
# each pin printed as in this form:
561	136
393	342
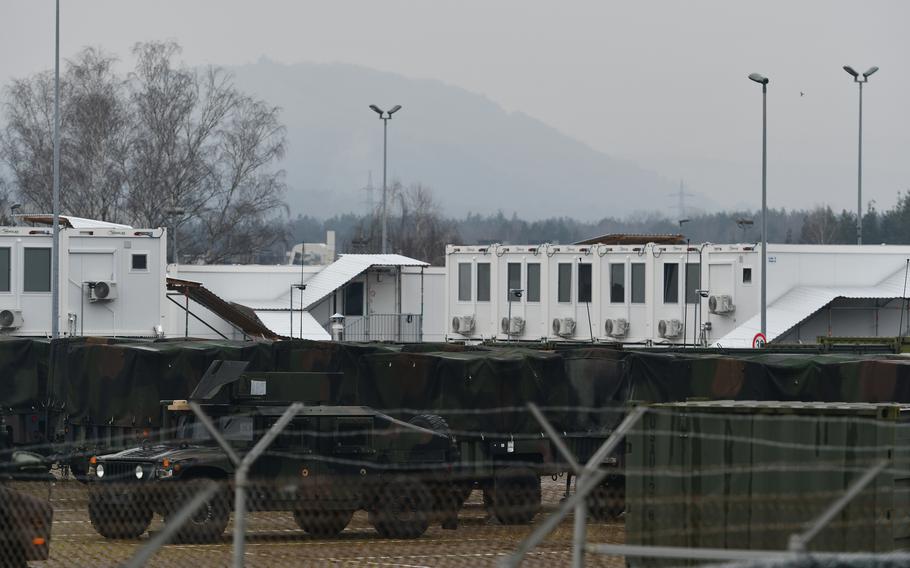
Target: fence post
583	485
242	468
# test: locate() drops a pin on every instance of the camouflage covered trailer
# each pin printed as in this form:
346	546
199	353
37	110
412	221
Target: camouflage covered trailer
749	474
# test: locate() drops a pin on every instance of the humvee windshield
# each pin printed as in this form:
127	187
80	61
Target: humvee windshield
236	428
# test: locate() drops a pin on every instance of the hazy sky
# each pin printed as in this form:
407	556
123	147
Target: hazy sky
660	83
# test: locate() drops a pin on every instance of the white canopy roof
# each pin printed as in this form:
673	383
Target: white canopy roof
801	302
331	278
288	323
74	222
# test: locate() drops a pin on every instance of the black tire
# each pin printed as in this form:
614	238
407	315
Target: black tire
208	523
607	501
514	496
321	522
432	422
402	509
117	520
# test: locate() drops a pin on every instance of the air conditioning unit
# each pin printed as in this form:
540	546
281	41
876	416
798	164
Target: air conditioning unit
722	304
669	329
11	319
515	327
564	327
618	327
102	290
463	324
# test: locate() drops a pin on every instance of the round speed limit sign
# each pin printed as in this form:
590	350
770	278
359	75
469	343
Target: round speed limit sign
759	340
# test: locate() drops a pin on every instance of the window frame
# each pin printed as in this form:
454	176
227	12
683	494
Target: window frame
559	283
470	282
133	256
344	298
589	269
509	266
488	284
742	277
644	283
688	272
50	275
528	297
622	267
674	267
9	289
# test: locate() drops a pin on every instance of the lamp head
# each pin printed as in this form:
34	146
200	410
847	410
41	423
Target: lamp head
394	109
759	78
870	71
851	71
376	109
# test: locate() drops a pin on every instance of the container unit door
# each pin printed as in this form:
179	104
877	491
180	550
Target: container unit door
720	284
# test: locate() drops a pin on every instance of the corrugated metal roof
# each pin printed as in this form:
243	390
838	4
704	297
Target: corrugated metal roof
801	302
345	269
287	324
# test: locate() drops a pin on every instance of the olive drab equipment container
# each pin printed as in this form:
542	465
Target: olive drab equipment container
748	475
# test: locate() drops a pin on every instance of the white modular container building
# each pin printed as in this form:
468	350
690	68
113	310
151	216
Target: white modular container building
670	293
112	279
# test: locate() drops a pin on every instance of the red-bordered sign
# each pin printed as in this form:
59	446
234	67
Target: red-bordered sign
759	340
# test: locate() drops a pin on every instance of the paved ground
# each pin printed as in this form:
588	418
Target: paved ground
274	540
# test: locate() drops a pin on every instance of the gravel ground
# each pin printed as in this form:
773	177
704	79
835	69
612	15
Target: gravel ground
274	540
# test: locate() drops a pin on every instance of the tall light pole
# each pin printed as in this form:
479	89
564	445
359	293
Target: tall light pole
763	81
385	117
55	246
859	171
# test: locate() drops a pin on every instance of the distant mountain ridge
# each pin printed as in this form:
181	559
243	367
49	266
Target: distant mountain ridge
476	156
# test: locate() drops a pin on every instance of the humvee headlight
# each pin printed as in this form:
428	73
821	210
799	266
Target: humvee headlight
99	470
139	472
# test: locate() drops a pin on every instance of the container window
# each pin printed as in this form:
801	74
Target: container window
693	282
353	299
140	262
5	269
533	282
671	283
483	281
464	282
618	283
514	278
37	270
564	284
638	283
747	275
584	282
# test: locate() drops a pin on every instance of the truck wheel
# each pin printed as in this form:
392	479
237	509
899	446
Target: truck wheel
402	509
432	422
208	523
117	520
514	496
607	501
321	522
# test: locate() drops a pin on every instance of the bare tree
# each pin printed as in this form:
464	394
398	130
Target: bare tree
166	138
820	226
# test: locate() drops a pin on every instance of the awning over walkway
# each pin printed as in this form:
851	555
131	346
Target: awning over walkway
799	303
239	316
288	324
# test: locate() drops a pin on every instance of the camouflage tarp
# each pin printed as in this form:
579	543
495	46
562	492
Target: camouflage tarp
23	373
831	377
464	387
122	384
598	387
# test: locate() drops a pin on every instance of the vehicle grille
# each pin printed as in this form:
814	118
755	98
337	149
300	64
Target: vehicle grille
123	471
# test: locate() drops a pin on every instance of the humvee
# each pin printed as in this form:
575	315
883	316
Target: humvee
329	462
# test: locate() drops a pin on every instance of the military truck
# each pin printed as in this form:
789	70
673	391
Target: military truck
329	462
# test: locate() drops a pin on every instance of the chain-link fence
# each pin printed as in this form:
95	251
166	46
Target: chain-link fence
666	485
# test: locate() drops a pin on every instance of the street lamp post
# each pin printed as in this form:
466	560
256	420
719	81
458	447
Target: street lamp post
385	117
763	81
859	171
55	244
